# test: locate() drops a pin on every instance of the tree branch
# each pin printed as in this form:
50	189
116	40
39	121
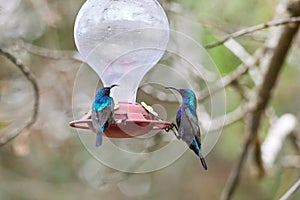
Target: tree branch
260	102
231	78
250	60
258	157
277	134
30	77
48	53
233	179
252	29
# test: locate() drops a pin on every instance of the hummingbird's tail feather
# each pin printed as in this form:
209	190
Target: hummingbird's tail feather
99	138
202	161
195	146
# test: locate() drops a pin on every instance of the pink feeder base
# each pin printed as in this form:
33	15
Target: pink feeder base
132	120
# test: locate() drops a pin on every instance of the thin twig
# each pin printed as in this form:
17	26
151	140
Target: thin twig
49	53
30	77
244	56
252	29
223	82
291	191
248	63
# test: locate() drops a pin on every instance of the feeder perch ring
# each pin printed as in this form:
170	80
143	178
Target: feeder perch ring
132	120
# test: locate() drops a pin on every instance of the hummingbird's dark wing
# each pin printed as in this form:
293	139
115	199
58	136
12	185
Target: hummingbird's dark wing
188	127
100	120
100	117
194	130
193	121
102	114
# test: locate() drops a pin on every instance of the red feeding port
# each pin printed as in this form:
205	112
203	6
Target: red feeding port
132	120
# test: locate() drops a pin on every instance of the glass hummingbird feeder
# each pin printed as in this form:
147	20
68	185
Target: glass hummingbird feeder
122	40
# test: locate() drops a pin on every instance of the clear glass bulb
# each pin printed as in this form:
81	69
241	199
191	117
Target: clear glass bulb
121	40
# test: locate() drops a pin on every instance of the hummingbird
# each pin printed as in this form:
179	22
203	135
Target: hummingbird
187	122
102	112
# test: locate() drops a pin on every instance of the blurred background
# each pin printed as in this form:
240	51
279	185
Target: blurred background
48	160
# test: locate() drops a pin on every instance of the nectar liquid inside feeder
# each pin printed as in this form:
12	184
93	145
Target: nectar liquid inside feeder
122	40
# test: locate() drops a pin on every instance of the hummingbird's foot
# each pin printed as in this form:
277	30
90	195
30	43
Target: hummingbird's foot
121	121
124	120
114	121
172	129
174	125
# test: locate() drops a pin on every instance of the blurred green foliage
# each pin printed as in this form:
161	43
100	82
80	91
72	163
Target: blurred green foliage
3	124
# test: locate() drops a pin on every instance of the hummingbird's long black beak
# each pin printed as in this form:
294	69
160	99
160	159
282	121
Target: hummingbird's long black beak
114	85
172	88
